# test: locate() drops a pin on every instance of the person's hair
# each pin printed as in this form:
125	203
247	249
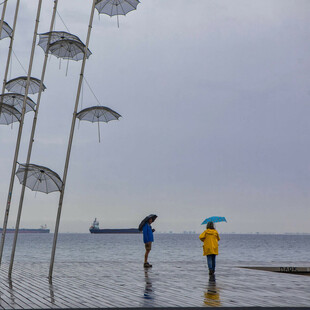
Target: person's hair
210	225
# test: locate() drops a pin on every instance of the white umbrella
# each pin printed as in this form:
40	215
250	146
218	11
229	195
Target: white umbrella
16	100
19	84
6	31
39	178
55	36
116	7
68	49
98	114
9	114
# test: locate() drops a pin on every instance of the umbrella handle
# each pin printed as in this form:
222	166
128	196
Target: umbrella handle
67	67
98	131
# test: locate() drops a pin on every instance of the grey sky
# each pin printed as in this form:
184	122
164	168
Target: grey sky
215	103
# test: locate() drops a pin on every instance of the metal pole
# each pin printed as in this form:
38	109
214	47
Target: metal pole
3	14
11	46
21	200
62	192
6	215
9	54
21	123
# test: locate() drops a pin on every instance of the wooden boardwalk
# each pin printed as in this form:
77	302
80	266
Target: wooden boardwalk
173	284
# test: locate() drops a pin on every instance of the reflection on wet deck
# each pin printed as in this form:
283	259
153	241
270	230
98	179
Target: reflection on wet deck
212	293
170	284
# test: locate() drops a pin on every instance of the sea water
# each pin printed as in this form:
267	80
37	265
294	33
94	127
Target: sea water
234	249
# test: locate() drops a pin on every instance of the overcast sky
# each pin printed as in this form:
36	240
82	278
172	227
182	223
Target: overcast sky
214	97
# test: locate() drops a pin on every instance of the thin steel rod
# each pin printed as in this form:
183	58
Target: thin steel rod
62	192
9	54
2	15
21	199
20	130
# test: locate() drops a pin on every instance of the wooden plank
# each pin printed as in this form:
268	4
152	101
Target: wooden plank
109	284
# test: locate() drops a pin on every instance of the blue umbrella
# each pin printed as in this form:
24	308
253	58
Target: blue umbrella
214	219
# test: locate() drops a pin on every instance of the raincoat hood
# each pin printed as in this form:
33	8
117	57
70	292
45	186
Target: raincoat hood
211	232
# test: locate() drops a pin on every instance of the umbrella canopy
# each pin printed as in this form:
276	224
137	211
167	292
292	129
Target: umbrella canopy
68	49
39	178
116	7
16	100
214	219
6	31
98	114
18	85
9	114
151	216
56	36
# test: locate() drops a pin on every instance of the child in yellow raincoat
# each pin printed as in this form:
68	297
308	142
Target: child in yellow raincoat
210	238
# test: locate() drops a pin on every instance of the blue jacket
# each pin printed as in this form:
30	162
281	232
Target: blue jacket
147	233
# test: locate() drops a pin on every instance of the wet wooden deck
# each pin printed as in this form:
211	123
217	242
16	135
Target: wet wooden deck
184	284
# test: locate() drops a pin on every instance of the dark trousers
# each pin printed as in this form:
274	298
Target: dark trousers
211	261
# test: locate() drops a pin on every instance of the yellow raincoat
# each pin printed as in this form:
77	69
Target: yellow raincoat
210	238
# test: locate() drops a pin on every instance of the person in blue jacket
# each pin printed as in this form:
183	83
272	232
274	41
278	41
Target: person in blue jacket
148	238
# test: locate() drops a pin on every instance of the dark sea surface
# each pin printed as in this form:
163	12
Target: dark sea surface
234	249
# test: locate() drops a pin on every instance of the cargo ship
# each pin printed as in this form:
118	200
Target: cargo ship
43	229
94	229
